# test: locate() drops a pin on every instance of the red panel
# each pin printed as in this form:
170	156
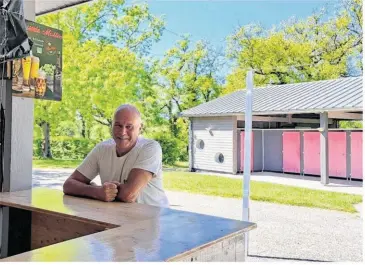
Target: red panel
243	150
356	155
291	152
311	153
337	154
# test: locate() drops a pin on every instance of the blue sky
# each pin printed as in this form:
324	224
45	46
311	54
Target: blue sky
215	20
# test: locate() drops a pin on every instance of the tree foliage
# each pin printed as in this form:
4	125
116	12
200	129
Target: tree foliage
298	51
106	62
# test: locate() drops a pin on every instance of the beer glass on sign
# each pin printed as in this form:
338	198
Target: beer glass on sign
26	64
34	71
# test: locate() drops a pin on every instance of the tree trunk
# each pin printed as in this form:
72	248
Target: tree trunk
46	145
172	120
83	128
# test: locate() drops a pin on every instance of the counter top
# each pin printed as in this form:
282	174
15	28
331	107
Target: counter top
135	232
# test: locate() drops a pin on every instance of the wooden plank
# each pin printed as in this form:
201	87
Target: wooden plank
356	155
337	154
311	153
49	229
291	152
345	115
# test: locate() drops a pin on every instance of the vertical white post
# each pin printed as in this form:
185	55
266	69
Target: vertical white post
247	152
324	148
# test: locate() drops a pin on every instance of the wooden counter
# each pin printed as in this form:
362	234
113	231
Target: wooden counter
65	228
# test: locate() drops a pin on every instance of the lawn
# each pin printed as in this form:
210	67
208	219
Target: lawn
260	191
232	188
55	163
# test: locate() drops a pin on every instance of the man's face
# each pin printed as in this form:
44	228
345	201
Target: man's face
126	128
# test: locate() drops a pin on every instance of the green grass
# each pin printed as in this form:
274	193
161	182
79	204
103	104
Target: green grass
178	166
55	163
260	191
232	188
58	163
181	164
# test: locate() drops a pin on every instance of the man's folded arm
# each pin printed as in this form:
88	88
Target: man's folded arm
79	185
137	180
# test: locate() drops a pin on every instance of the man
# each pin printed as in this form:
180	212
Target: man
130	166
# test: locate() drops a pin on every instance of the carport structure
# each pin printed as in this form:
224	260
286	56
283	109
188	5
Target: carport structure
308	111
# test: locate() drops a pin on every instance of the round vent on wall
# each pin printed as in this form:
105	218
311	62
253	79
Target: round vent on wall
219	158
200	144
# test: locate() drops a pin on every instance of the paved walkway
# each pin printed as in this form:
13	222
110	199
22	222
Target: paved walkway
311	182
335	185
284	233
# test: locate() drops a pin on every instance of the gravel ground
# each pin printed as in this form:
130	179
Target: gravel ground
284	233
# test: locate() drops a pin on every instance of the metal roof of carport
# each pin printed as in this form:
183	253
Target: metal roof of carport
343	94
47	6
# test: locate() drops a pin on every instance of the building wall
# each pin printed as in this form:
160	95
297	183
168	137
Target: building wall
219	139
22	131
277	150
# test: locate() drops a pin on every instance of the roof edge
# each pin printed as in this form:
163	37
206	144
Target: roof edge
62	7
270	113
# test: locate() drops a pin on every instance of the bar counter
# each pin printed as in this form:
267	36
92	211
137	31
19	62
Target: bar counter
66	228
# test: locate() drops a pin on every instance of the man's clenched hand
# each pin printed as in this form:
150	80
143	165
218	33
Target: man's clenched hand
108	192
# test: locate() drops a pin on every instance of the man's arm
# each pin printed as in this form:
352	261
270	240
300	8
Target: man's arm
79	185
137	180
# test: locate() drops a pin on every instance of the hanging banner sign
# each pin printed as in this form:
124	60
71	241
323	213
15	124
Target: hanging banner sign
40	74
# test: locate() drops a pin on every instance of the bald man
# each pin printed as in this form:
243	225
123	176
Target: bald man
130	166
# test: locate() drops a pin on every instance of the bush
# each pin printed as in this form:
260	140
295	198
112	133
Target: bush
66	147
77	148
169	146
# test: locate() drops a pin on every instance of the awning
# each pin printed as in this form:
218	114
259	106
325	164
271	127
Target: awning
47	6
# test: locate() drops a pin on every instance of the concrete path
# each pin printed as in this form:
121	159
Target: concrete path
311	182
284	233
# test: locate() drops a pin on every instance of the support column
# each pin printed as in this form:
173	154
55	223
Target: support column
324	148
234	147
15	224
191	147
22	131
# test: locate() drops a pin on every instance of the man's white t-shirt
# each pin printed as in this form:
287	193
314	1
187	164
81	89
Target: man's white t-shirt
146	154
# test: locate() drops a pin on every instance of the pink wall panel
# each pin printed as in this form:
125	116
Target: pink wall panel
311	153
291	152
356	155
337	154
243	150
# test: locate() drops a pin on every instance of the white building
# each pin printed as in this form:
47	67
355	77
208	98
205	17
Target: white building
216	126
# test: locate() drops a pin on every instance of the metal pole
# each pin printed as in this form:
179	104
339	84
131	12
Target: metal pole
247	152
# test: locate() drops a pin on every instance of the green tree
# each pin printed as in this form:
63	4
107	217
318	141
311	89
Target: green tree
351	124
187	76
102	67
298	51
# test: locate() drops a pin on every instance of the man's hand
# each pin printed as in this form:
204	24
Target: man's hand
108	192
116	183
